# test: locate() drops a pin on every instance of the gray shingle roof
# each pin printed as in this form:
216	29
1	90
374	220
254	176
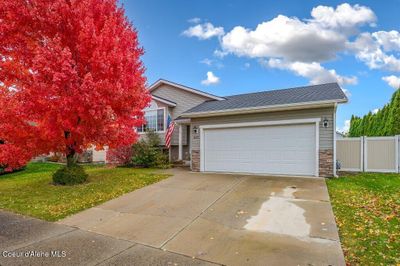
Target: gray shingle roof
313	93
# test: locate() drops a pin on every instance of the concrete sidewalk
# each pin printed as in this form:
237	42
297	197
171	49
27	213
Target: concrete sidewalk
28	241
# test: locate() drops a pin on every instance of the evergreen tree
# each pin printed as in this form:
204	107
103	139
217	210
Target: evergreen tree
352	126
380	123
386	122
357	131
395	114
370	124
389	118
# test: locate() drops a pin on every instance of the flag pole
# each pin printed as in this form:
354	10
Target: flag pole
168	136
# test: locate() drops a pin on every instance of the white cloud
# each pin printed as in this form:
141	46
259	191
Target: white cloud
211	79
313	40
345	17
246	65
372	50
392	81
204	31
214	63
316	73
345	127
194	20
389	40
376	110
220	53
207	61
301	46
284	37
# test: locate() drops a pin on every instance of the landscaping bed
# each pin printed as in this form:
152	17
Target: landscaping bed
367	211
31	191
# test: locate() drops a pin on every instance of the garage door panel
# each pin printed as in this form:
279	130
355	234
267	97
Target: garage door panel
288	149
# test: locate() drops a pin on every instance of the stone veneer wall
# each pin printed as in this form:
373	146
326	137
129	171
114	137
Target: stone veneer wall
326	163
195	161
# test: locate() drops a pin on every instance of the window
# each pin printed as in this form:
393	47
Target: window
154	120
160	119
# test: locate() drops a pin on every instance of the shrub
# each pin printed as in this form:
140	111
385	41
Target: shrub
143	154
120	156
71	175
148	153
162	161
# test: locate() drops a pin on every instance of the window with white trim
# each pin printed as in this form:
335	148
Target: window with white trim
154	120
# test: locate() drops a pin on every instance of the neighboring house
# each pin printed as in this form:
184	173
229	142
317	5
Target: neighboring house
339	135
279	132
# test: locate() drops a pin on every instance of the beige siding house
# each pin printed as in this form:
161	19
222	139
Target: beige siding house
185	98
279	132
325	133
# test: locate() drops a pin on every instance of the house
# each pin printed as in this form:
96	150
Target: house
279	132
340	135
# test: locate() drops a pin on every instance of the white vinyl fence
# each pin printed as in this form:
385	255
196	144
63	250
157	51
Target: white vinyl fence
368	154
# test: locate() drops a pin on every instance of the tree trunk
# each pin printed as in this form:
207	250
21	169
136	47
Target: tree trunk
71	158
70	151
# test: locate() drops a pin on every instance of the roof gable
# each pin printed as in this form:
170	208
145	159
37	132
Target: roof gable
163	100
159	82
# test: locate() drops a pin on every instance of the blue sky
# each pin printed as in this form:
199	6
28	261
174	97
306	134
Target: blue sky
265	45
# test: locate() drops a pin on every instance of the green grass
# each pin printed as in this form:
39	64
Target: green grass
367	210
32	193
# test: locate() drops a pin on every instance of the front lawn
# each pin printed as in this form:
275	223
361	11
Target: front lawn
31	191
367	210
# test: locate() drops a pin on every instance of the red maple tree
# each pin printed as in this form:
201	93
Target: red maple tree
120	156
70	76
18	138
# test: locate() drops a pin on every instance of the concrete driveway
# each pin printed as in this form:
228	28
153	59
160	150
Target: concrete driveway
206	219
225	219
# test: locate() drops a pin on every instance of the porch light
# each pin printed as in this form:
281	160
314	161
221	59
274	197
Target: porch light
195	129
325	122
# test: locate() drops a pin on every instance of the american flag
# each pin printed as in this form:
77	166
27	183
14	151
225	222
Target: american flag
170	130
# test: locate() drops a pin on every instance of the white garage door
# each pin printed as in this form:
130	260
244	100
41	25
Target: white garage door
283	149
